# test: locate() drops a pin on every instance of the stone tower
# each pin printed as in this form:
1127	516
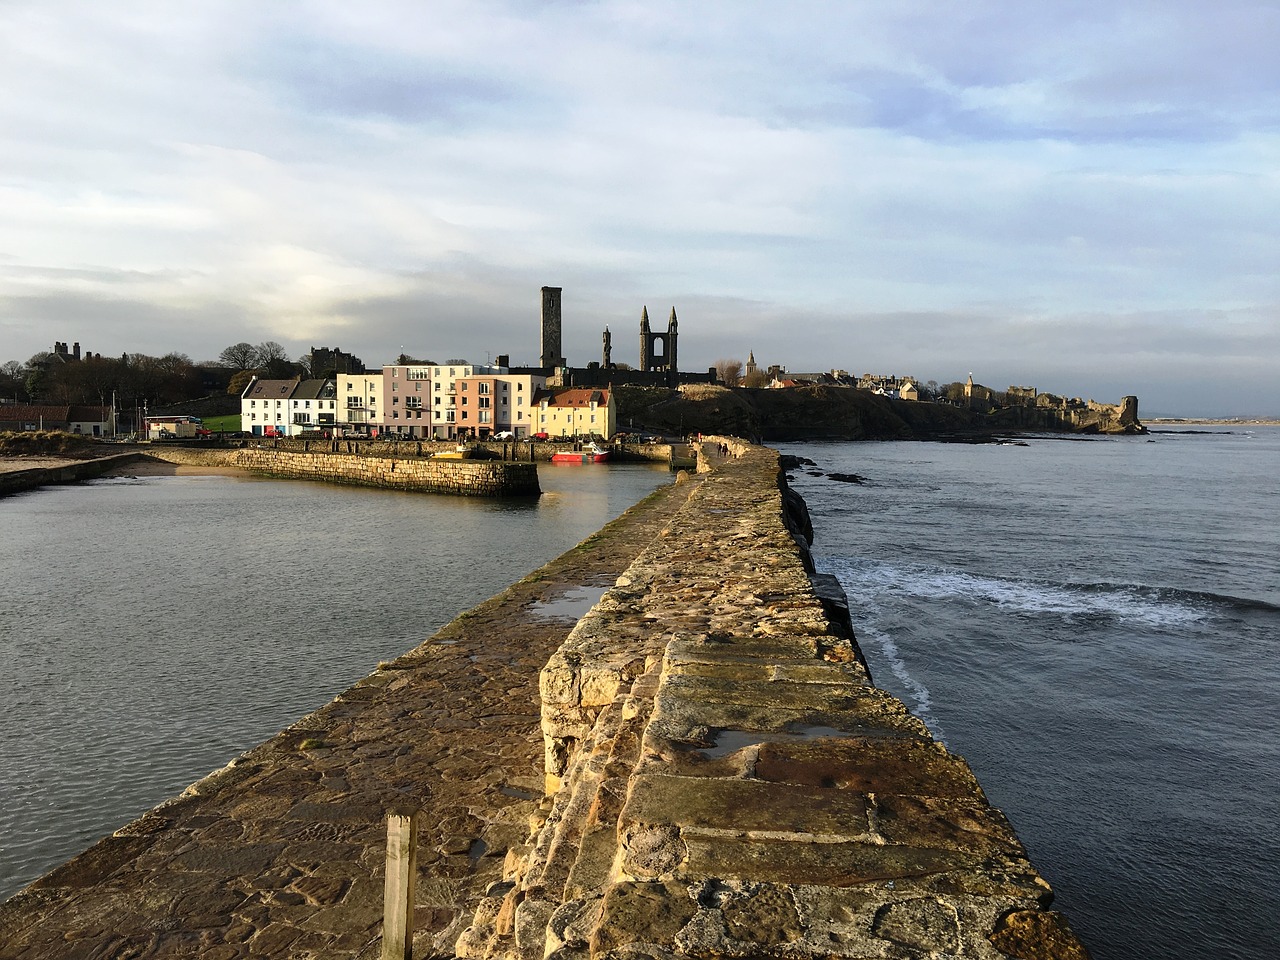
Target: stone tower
645	335
607	356
671	348
551	352
658	350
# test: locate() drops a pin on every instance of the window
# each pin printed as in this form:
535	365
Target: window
482	388
484	402
252	404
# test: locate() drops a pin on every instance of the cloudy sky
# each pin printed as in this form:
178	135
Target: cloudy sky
1079	196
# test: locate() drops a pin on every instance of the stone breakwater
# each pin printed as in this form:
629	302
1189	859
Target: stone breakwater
699	766
15	479
476	478
724	780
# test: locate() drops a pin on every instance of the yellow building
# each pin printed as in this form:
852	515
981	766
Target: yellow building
577	412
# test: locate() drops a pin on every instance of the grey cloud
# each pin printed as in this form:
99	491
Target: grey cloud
332	77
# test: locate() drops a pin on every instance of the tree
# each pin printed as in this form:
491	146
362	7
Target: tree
729	372
239	380
756	378
268	352
240	356
13	380
274	362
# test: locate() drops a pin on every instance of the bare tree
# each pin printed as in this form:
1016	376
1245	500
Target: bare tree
240	356
269	352
729	372
13	376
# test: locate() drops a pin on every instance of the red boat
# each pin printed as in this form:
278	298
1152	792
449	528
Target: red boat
592	453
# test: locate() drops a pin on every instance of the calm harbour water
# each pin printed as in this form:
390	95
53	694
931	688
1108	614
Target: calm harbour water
1094	626
152	629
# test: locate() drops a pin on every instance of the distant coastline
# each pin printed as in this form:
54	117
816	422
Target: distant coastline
1212	421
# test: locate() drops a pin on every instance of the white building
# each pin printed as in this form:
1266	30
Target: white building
312	407
264	407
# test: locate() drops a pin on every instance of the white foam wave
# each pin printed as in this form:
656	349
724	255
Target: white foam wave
1017	596
920	702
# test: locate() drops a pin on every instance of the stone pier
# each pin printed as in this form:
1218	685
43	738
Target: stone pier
700	766
724	780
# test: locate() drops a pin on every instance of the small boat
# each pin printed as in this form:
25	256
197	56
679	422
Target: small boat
591	453
460	452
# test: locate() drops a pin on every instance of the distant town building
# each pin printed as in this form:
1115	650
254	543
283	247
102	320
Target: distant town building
330	361
577	412
89	421
264	407
359	397
313	406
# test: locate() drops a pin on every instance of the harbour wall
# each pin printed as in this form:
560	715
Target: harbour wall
698	765
16	481
478	478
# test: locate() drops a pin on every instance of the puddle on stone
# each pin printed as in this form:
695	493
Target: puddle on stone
731	741
572	605
518	793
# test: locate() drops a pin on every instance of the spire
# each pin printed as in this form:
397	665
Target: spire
671	323
644	318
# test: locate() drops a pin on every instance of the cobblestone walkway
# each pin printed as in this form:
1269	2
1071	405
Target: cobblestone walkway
281	853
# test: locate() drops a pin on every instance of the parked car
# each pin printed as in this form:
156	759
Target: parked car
504	435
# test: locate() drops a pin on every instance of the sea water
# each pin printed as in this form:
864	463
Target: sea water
153	628
1094	624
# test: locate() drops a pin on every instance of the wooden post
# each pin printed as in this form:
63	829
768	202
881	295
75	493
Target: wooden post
402	872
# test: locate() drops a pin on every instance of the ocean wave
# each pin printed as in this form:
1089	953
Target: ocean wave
918	698
1126	603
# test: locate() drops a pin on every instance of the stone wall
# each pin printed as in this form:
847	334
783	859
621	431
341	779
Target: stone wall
15	481
480	478
724	780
